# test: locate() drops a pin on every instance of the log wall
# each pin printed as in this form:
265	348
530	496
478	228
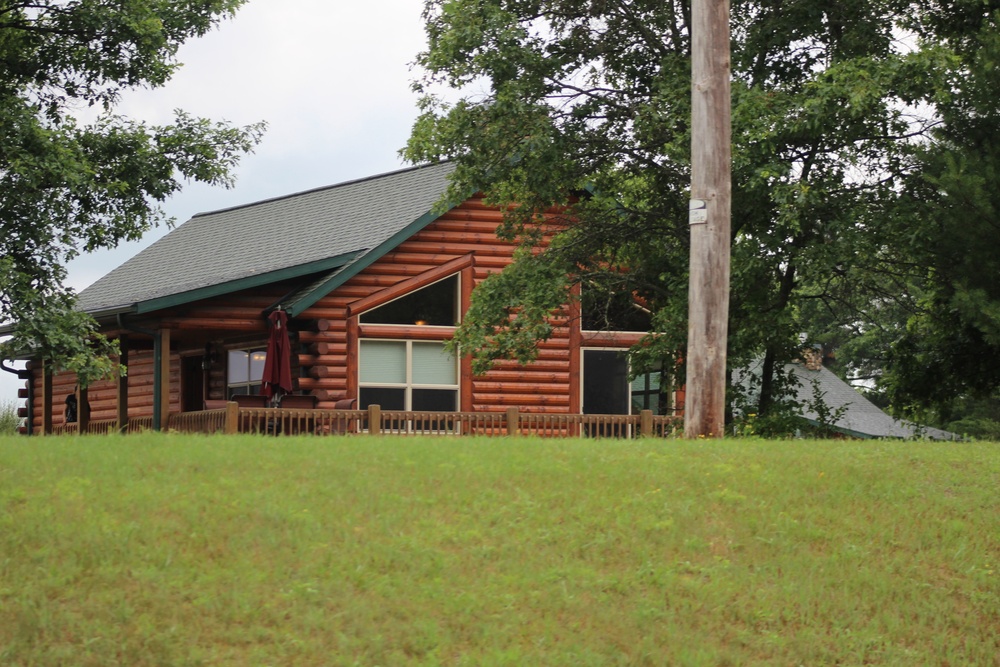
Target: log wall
467	231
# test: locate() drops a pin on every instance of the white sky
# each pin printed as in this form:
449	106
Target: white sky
330	77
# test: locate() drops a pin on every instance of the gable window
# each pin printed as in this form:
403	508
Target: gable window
407	375
617	311
244	371
433	305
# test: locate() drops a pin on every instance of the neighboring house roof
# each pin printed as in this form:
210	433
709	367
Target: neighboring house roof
861	418
336	230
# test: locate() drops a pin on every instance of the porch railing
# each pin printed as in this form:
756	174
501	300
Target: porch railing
374	420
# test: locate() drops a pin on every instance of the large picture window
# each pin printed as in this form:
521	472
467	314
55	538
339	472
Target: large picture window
244	371
407	375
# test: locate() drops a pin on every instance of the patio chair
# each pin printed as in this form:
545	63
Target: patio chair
293	425
252	424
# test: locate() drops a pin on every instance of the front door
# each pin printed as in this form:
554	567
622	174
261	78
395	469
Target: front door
192	383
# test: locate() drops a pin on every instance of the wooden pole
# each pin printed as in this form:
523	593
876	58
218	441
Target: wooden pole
709	217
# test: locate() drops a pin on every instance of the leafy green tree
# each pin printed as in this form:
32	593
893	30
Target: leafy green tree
919	319
587	105
69	186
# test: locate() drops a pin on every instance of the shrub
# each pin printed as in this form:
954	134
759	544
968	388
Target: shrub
9	421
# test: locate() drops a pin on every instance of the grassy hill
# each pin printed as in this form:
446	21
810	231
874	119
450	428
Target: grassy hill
180	550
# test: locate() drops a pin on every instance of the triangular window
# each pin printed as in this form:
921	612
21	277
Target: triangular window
434	305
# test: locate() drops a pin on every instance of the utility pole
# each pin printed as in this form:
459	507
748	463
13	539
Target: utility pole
709	218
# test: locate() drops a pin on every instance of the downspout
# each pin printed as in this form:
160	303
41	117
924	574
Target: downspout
157	361
25	374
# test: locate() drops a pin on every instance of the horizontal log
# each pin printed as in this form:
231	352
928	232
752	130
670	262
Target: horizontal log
558	364
401	270
333	360
518	400
22	392
332	337
330	315
481	387
486	214
412	332
211	323
492	264
351	291
448	238
332	384
407	257
462	221
529	375
437	249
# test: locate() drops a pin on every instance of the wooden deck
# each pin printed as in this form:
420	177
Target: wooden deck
375	421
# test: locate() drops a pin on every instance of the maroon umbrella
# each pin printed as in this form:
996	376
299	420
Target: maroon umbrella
278	365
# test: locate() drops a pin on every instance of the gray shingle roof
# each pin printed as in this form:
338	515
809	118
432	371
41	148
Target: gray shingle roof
861	417
300	233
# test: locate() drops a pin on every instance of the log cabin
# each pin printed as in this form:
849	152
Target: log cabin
373	275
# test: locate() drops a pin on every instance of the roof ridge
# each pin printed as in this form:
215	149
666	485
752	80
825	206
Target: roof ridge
321	188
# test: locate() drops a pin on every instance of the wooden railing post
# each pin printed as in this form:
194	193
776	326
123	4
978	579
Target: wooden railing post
513	421
232	417
375	419
646	423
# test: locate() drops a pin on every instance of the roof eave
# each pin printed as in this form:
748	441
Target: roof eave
240	284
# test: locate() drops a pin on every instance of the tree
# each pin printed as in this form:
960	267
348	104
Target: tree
830	108
951	343
69	186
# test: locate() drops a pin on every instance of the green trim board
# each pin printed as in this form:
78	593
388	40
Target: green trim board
241	284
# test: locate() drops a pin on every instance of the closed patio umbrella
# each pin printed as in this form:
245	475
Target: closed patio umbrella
277	376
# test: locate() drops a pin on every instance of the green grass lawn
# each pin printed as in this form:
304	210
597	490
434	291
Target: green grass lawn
180	550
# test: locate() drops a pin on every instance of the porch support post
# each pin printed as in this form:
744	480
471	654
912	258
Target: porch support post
164	377
82	410
46	397
122	385
161	378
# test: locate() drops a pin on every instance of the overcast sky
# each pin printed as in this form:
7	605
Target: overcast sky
330	77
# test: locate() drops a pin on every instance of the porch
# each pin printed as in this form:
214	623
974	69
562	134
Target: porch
374	421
